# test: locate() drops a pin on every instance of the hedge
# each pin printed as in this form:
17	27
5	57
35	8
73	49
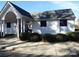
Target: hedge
25	36
35	37
61	38
49	38
73	36
31	37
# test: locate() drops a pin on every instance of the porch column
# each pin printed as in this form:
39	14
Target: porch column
18	27
3	28
21	25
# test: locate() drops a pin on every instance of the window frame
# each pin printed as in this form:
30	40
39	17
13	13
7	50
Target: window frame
43	23
63	22
8	24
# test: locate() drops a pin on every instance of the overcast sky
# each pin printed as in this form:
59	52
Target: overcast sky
35	6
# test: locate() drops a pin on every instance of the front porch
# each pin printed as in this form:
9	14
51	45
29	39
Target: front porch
13	25
14	20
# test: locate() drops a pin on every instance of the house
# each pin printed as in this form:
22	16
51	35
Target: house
56	21
15	20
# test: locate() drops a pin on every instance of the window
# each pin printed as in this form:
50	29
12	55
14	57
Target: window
8	25
63	22
43	23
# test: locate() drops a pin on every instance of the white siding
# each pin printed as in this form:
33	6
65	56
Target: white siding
71	25
52	27
69	28
11	30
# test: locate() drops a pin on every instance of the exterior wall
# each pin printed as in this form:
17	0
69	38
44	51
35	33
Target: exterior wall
52	27
69	28
11	30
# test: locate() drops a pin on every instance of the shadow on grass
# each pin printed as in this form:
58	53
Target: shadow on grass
10	45
9	36
15	54
72	52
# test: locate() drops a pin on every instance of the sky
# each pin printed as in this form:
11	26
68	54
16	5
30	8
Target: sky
38	6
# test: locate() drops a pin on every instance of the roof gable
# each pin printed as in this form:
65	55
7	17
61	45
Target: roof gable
22	11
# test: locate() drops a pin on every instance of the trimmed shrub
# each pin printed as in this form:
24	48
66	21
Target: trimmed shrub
73	36
25	36
61	38
35	37
48	38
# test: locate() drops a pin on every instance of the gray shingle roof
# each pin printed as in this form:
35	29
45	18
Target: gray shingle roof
56	14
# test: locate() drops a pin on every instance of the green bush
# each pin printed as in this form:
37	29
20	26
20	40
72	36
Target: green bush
25	36
73	36
48	38
61	38
35	37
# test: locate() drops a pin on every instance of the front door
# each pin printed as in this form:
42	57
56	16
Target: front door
26	28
